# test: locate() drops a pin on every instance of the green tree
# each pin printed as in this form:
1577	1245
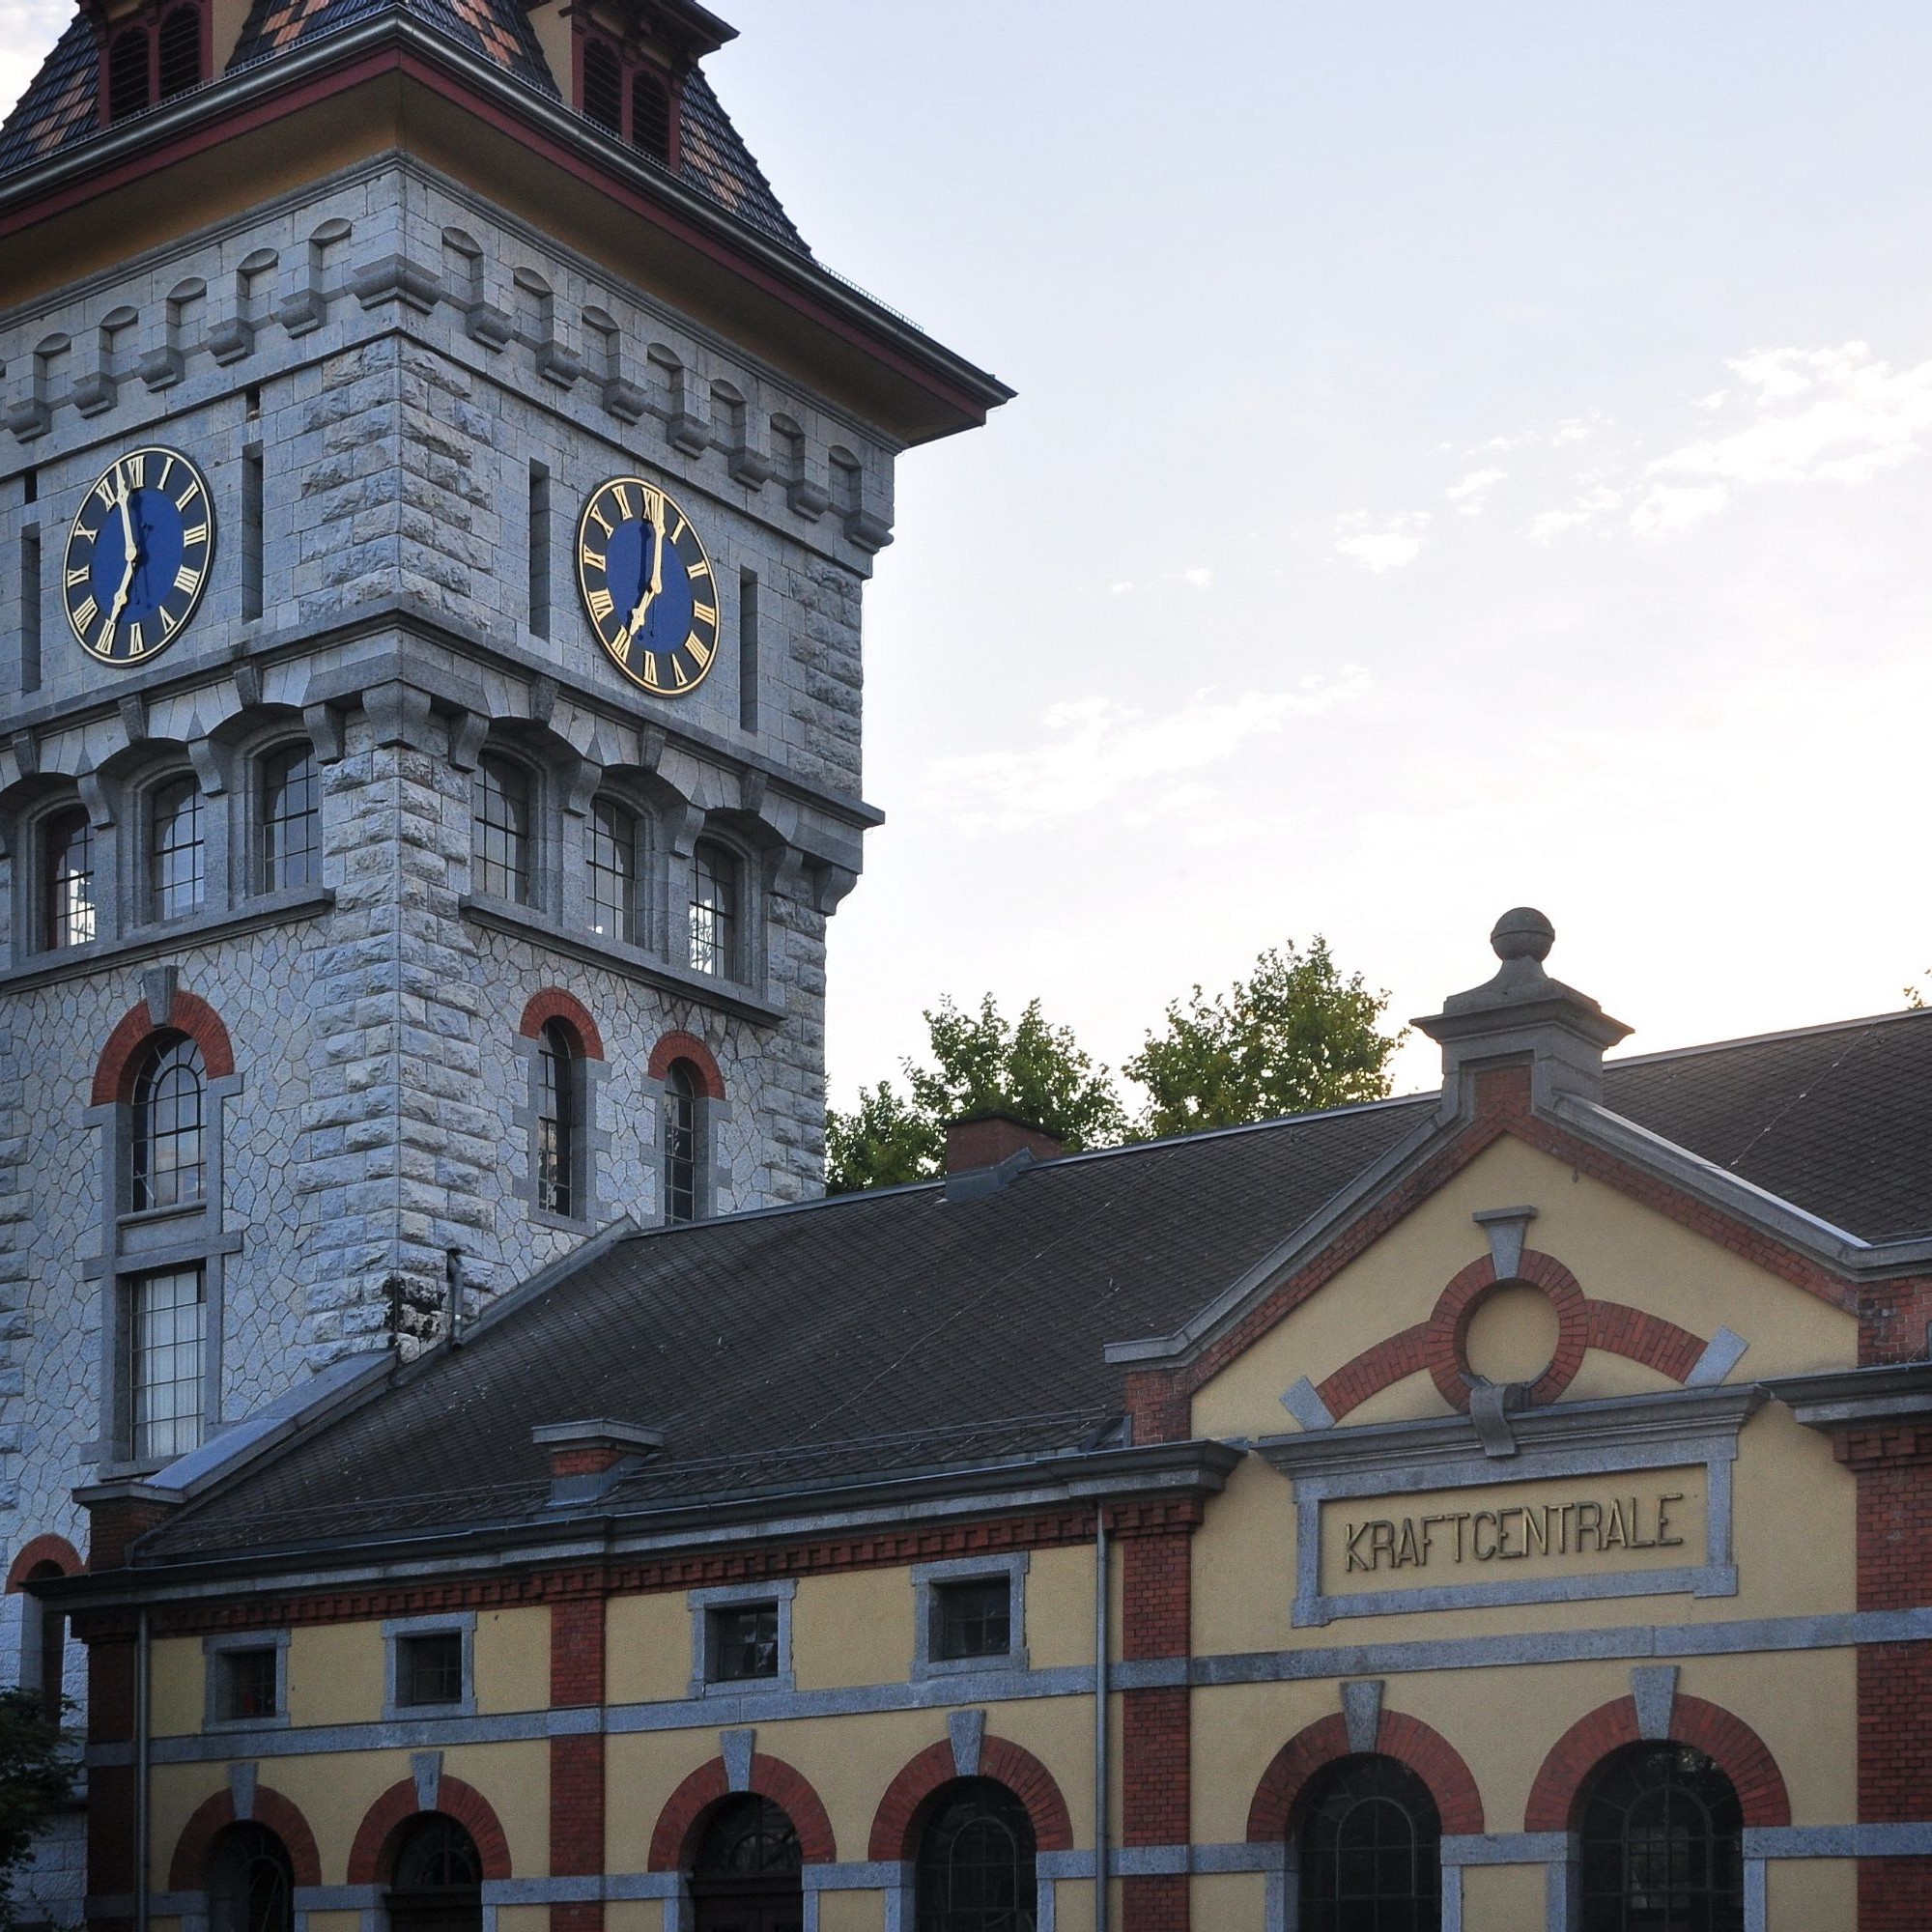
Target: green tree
36	1774
1293	1038
980	1062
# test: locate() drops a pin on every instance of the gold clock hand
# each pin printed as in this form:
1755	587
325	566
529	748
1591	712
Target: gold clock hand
651	589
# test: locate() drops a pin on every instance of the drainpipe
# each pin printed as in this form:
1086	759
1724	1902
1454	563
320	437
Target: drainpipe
141	1772
1100	1606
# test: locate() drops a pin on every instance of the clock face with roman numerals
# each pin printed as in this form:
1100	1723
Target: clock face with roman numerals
647	586
138	555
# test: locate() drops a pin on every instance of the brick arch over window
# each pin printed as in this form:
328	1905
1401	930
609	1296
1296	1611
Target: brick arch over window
895	1825
687	1046
681	1823
188	1870
1556	1798
121	1058
54	1549
554	1004
1276	1808
372	1856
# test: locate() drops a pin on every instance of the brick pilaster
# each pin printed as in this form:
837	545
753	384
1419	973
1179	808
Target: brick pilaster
110	1788
1155	1744
577	1763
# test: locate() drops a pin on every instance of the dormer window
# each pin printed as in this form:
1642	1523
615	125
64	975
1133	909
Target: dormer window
630	96
155	58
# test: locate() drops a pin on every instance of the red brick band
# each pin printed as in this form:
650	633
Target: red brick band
188	1869
1276	1812
1556	1798
1448	1343
121	1058
379	1837
687	1046
554	1004
681	1823
904	1808
1389	1361
42	1551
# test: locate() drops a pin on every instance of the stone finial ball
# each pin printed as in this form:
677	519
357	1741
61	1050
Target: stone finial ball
1522	933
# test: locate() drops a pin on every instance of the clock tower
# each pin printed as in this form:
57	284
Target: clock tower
437	485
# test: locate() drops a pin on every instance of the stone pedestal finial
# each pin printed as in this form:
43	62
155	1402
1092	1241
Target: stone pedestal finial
1523	1017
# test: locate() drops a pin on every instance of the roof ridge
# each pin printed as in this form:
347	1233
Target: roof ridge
1812	1032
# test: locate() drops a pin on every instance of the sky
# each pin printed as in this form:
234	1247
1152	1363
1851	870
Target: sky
1464	456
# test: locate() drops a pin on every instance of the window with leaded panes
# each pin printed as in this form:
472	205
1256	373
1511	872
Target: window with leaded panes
1371	1851
614	853
177	850
170	1120
976	1868
429	1668
501	825
743	1643
248	1683
68	915
1663	1844
558	1082
973	1618
681	1142
250	1881
290	842
714	910
167	1332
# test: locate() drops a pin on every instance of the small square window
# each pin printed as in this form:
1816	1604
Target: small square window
973	1618
744	1642
250	1684
429	1668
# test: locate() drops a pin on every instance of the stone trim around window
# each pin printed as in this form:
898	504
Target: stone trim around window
704	1682
213	1649
926	1662
394	1630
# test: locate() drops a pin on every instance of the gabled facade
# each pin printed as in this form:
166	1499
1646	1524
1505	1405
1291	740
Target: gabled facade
1508	1482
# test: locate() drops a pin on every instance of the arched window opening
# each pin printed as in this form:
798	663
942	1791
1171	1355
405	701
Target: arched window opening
1663	1844
975	1870
170	1165
650	115
43	1642
559	1079
68	897
438	1885
602	86
680	1141
613	873
290	821
747	1870
127	74
250	1882
503	825
178	851
1371	1851
714	910
180	51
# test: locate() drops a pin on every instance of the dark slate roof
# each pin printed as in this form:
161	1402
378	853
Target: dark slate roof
899	1332
61	104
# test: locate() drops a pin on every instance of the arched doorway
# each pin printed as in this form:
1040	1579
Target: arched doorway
975	1869
1663	1844
1371	1847
437	1882
250	1882
746	1875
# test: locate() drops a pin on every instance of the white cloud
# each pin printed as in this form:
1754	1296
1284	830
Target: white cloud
1391	546
1672	506
1097	753
1591	507
1199	576
1472	492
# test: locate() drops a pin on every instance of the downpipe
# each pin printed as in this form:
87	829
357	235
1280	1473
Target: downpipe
141	1818
1100	1767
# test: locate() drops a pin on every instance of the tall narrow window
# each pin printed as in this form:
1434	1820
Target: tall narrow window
170	1111
539	559
975	1869
557	1082
681	1142
602	86
1371	1851
30	609
177	851
250	1882
748	650
714	911
66	860
1663	1844
650	115
291	819
251	521
180	51
613	872
503	807
167	1332
127	74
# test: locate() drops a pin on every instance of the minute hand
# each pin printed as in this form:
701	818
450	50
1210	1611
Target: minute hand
652	590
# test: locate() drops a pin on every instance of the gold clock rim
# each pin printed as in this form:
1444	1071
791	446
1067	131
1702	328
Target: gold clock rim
583	592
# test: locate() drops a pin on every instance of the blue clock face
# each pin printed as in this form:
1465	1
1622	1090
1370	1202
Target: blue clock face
138	556
647	586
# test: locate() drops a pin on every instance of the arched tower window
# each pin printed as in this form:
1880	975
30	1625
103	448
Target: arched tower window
714	910
650	115
1663	1844
289	821
250	1882
177	850
170	1160
680	1141
602	86
560	1079
976	1865
1371	1851
614	852
503	830
438	1885
127	74
68	899
180	50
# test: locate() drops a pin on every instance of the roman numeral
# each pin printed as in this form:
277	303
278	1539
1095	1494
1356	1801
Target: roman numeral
85	613
602	522
703	614
188	495
595	559
698	649
170	623
677	534
134	644
108	488
654	508
167	468
601	604
136	467
188	577
198	534
623	498
699	569
79	575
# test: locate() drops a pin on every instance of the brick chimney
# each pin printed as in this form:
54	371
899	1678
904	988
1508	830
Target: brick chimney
985	1139
588	1458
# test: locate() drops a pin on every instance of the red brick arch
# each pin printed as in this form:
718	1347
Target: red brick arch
554	1004
379	1837
54	1549
121	1058
1276	1808
681	1823
687	1046
188	1869
896	1825
1556	1798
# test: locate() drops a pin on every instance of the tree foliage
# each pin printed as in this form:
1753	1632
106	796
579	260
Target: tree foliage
36	1774
1293	1038
980	1062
